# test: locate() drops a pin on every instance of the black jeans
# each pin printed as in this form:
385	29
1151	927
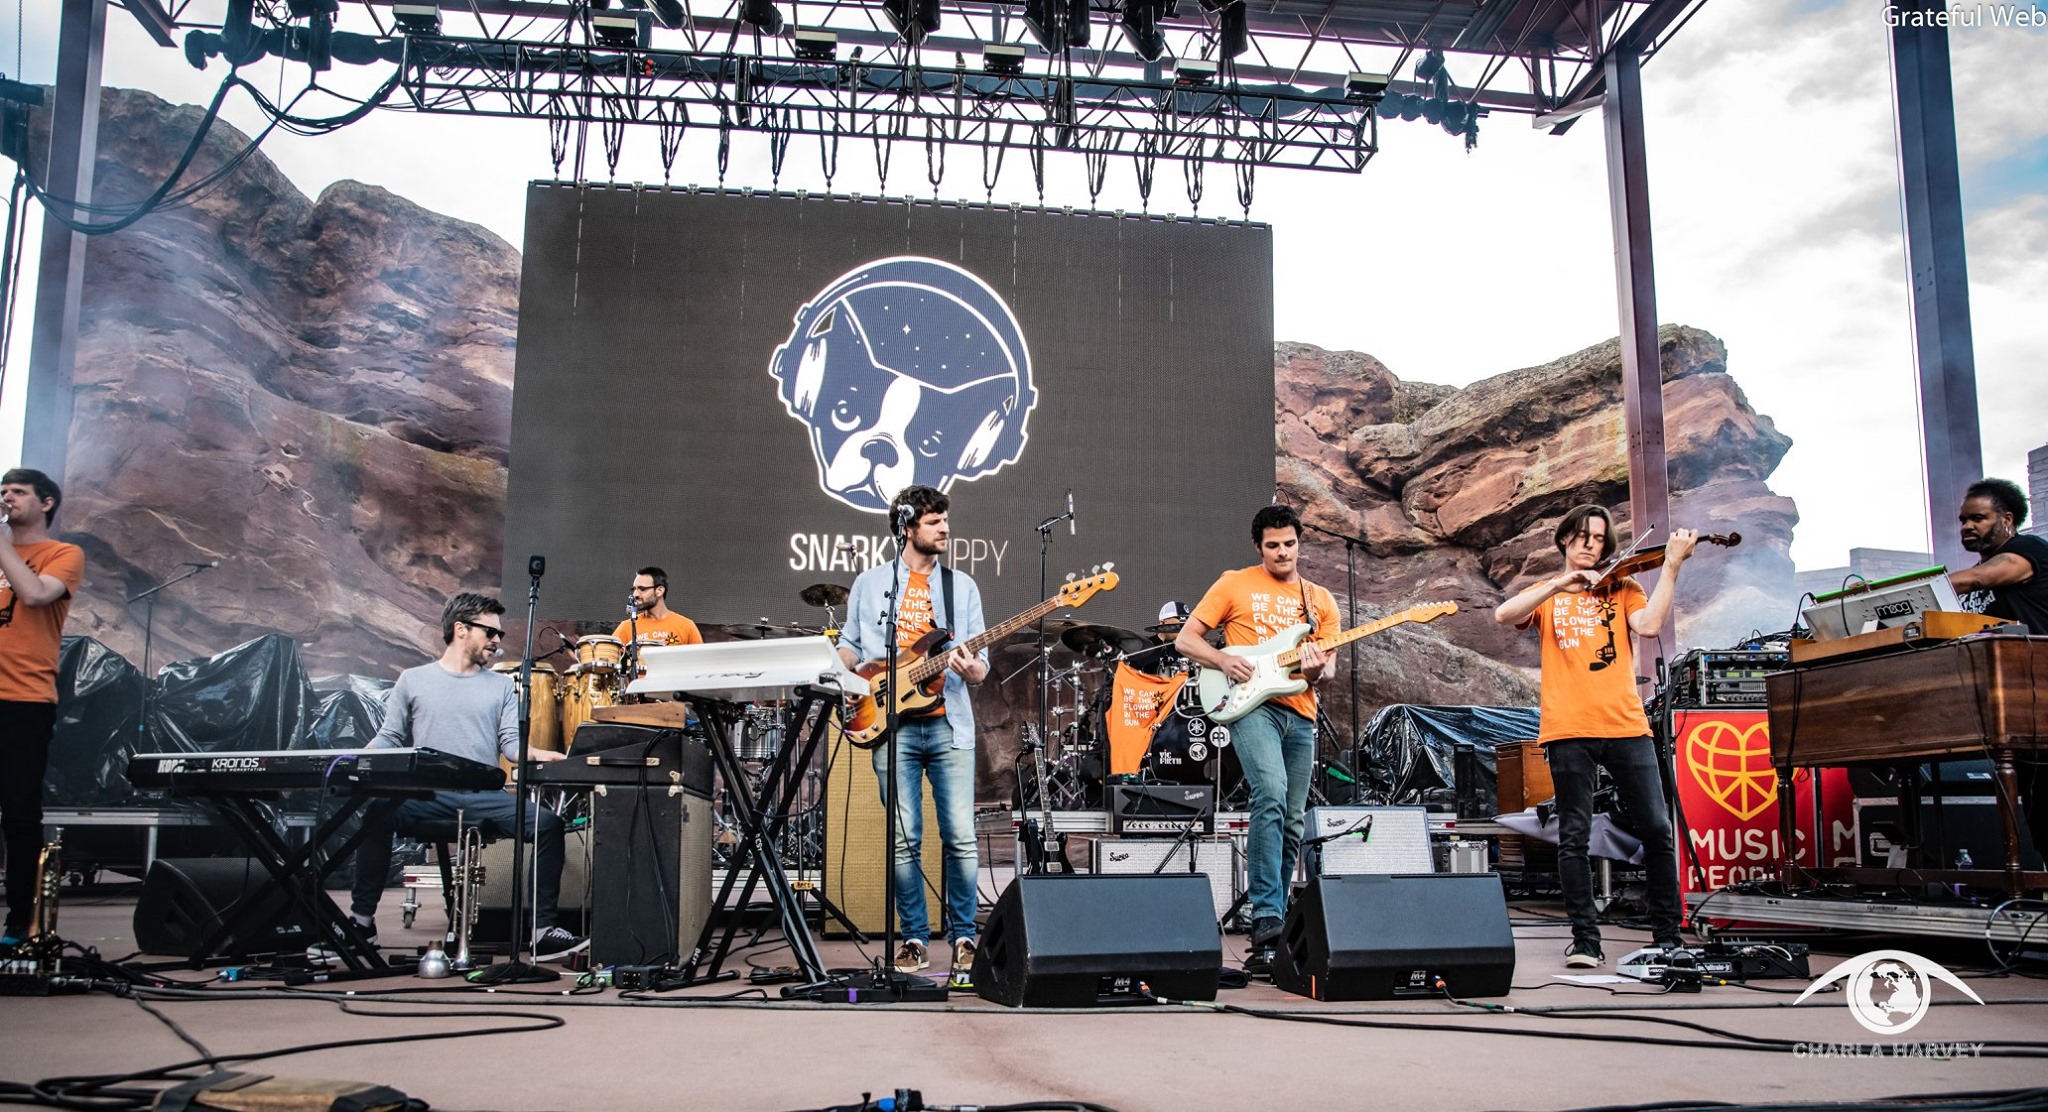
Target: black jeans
434	820
1632	763
25	730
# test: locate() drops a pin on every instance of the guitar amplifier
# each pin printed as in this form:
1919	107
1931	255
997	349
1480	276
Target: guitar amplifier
1216	856
1161	808
1387	840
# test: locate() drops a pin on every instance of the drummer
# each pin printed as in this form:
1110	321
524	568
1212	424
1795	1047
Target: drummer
653	623
1160	657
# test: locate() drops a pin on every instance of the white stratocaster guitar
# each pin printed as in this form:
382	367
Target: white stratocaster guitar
1276	658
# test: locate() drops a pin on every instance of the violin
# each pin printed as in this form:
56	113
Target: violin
1646	559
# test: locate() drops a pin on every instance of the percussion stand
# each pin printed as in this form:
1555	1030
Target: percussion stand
1044	662
512	970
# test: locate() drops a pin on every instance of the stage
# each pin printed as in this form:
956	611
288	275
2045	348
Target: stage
1564	1046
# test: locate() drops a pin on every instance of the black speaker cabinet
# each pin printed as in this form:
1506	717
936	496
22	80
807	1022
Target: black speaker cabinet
1369	937
1079	941
650	874
185	899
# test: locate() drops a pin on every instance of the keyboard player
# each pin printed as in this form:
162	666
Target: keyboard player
2009	580
457	705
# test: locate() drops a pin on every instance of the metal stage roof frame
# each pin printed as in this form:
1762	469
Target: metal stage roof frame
1294	83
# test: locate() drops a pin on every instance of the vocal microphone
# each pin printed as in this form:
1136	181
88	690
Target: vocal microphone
200	564
536	566
1070	511
905	514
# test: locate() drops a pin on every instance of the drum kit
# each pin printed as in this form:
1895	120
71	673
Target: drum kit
1123	707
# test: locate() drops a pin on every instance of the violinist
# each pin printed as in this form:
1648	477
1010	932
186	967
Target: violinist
1592	715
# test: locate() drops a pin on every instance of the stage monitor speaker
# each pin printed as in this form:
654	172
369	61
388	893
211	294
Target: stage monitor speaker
1080	941
854	833
185	899
1389	937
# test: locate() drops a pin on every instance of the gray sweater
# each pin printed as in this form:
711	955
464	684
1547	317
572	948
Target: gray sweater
475	717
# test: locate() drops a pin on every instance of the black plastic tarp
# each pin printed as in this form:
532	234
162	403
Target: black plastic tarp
350	708
99	714
254	696
1409	755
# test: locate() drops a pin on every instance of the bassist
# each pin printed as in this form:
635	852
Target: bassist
937	743
1276	741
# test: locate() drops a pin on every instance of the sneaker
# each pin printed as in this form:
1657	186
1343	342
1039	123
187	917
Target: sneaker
323	953
910	957
963	963
12	940
554	944
1583	954
1265	931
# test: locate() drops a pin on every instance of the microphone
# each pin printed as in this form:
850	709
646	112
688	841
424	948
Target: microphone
905	514
1070	511
200	564
536	566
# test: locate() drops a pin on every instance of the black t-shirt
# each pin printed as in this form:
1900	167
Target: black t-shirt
2026	603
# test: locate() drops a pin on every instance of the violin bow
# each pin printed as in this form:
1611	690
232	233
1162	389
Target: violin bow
1625	554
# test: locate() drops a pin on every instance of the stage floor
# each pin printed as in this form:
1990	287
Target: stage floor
1567	1046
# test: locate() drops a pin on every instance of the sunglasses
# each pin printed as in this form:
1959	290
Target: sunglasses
491	632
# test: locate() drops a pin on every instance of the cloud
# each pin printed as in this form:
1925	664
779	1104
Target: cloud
1774	199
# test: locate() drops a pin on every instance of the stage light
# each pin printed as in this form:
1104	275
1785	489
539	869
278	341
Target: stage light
914	19
762	15
1141	28
1002	59
417	19
1234	34
815	46
1057	24
670	13
1194	71
1366	86
623	31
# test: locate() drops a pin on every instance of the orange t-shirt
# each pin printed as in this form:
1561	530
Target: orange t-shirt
1582	696
31	635
672	630
1250	606
914	619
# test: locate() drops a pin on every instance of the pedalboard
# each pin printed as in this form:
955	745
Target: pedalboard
1722	961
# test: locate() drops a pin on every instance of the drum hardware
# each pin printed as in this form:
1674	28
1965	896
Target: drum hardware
1102	642
759	629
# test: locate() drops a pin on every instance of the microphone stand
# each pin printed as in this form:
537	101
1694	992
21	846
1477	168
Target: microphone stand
1044	663
1351	546
886	983
512	970
148	630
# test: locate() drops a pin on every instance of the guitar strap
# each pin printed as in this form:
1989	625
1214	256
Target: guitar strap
946	597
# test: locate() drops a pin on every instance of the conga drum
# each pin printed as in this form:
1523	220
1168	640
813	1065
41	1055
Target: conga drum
544	714
587	687
599	654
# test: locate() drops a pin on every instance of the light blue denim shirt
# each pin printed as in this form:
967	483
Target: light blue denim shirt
864	635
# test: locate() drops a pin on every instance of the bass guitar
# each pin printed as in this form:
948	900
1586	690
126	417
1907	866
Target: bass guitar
918	681
1276	659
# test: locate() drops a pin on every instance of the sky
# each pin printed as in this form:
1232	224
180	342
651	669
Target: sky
1774	202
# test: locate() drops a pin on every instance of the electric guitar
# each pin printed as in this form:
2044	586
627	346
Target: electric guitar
918	682
1045	849
1276	658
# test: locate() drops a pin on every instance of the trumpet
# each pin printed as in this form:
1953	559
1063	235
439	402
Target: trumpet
469	882
49	882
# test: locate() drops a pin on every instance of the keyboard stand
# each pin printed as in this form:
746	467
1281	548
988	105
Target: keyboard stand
762	818
299	874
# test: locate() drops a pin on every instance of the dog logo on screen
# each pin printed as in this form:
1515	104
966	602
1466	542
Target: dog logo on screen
907	371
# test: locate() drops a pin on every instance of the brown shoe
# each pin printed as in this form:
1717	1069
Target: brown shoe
963	963
910	957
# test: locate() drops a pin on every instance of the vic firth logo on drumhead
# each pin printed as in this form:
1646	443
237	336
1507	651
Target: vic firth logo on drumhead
907	371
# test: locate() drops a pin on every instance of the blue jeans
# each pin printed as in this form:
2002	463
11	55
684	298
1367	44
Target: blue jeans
924	747
1277	748
433	819
1632	764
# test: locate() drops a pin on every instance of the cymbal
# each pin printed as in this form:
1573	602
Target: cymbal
757	629
1165	627
823	594
1101	642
